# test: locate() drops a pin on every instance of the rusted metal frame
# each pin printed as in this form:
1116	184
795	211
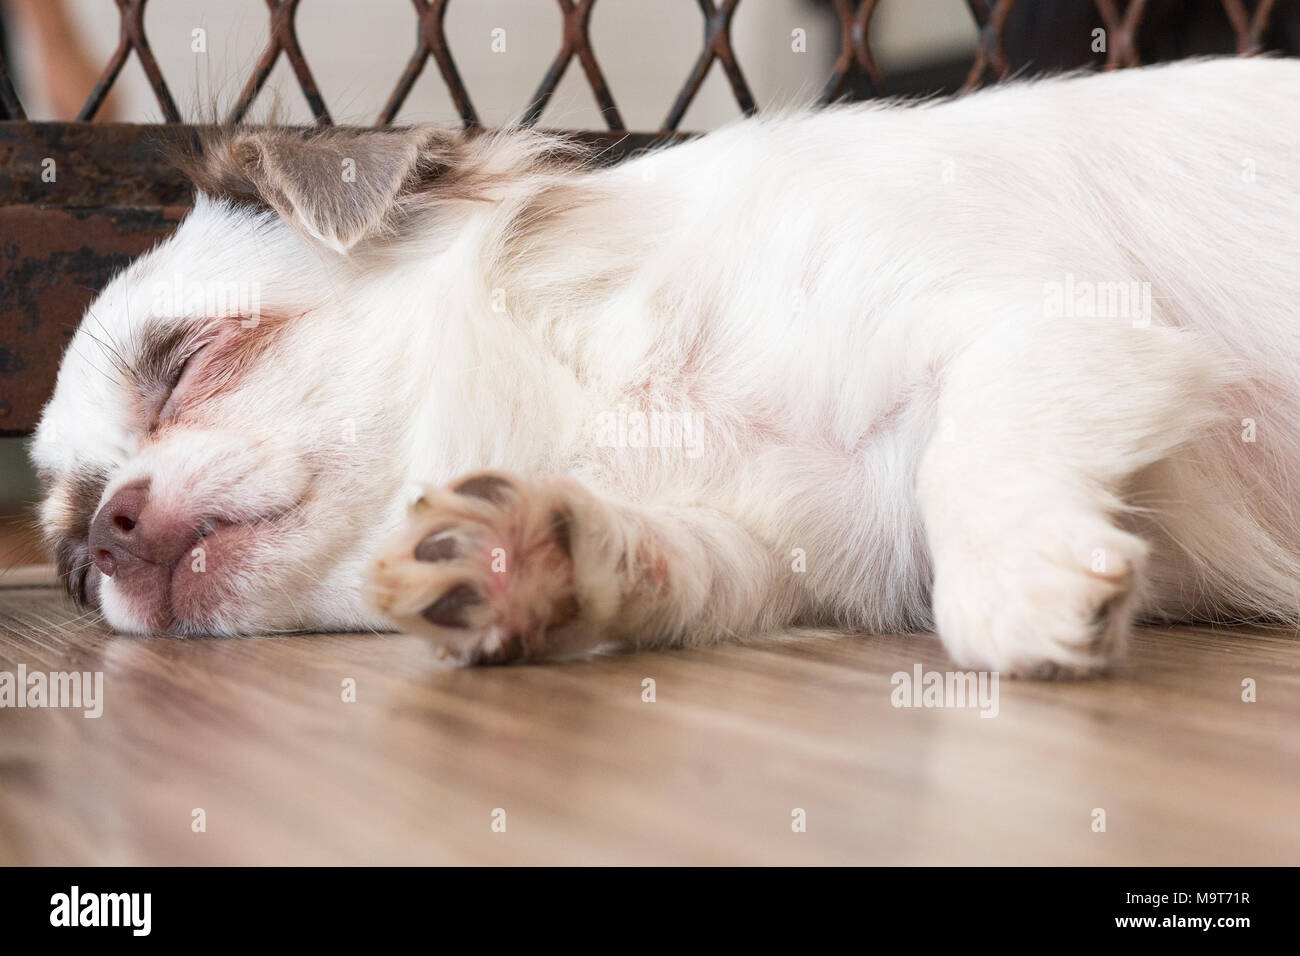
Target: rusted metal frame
97	164
283	39
990	58
1248	28
855	50
431	40
576	41
128	164
717	46
115	195
1121	32
131	36
10	106
53	260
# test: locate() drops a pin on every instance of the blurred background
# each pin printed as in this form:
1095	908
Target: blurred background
357	49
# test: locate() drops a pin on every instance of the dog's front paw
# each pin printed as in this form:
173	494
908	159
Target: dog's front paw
1048	604
486	567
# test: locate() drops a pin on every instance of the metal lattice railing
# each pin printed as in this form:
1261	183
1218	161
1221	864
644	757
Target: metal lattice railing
1122	20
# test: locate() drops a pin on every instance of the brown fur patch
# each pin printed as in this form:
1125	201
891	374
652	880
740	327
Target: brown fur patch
398	170
228	162
75	500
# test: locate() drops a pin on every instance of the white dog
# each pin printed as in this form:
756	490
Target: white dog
1021	366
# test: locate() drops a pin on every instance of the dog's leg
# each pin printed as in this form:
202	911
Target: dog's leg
497	568
1041	429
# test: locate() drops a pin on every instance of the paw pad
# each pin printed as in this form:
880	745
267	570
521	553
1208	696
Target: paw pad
485	567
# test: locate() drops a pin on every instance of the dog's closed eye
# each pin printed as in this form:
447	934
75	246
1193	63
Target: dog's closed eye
180	382
185	368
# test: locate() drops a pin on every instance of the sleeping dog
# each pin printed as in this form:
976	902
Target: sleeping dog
1022	367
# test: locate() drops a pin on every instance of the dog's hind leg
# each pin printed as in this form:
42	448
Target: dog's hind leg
1042	428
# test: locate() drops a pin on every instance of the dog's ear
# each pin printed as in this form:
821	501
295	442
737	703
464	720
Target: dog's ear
337	186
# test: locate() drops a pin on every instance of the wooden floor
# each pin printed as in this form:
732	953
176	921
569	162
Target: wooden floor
255	732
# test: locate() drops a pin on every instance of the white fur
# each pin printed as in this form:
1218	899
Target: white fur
850	306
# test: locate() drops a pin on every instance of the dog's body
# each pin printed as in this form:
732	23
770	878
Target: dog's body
1020	365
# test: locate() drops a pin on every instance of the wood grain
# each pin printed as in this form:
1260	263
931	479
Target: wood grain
255	732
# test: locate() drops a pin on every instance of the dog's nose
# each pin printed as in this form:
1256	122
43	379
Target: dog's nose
117	538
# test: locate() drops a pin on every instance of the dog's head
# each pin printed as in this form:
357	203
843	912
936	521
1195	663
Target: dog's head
228	437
